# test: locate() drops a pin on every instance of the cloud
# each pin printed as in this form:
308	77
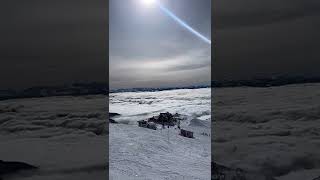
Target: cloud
143	71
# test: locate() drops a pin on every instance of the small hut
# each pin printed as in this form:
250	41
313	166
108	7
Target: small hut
186	133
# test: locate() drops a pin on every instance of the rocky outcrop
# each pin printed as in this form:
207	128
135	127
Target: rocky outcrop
9	167
220	172
113	121
113	115
165	119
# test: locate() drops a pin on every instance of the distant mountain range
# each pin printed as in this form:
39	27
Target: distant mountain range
157	89
265	82
256	82
75	89
78	89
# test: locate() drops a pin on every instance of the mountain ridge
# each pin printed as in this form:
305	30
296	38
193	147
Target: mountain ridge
96	88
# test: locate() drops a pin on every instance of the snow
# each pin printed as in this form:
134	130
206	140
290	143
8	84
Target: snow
147	154
141	153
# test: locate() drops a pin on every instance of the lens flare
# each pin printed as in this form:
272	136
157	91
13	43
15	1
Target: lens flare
182	23
152	3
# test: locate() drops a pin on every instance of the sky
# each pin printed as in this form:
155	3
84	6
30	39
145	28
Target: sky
53	42
265	38
147	48
49	42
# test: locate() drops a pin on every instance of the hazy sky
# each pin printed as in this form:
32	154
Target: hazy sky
149	49
48	42
266	38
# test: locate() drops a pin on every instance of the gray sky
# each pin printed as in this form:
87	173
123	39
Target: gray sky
149	49
49	42
266	38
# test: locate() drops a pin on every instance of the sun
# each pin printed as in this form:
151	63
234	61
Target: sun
148	3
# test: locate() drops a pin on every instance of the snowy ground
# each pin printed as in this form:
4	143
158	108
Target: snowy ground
140	153
273	131
66	137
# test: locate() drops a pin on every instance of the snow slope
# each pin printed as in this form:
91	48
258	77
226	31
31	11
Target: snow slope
143	153
140	153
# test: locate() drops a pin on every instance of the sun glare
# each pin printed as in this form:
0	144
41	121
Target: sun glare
148	3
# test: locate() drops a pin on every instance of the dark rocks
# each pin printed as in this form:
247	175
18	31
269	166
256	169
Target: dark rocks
113	121
113	114
220	172
9	167
147	124
165	119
